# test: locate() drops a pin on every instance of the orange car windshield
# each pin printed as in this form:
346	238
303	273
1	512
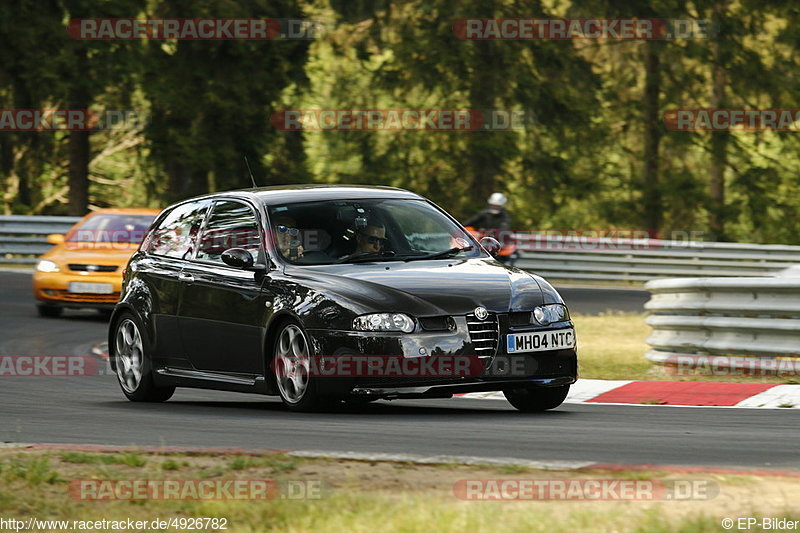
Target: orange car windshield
113	229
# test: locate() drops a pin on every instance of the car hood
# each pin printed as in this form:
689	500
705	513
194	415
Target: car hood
431	287
87	253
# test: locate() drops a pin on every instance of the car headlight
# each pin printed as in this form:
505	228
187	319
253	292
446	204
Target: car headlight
384	322
547	314
45	265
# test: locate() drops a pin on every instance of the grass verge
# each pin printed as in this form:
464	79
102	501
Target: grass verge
374	496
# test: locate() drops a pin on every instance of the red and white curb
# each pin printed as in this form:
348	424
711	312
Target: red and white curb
675	393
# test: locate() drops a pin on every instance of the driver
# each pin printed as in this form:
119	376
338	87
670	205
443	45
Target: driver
287	238
371	238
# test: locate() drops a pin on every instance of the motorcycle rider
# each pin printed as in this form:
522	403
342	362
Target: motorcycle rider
495	221
494	216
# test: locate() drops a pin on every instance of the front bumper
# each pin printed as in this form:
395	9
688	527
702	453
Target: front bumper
52	288
499	372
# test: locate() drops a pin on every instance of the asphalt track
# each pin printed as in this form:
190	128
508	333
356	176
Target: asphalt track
93	410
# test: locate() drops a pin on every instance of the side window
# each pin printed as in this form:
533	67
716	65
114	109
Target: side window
231	225
177	233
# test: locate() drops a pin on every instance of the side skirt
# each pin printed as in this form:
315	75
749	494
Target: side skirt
200	379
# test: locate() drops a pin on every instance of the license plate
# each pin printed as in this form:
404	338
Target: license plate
540	341
90	288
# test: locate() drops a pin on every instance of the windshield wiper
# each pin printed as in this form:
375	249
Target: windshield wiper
437	255
367	256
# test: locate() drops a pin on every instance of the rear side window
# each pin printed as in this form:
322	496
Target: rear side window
176	235
231	225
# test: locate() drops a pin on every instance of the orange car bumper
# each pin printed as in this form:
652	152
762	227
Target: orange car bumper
53	288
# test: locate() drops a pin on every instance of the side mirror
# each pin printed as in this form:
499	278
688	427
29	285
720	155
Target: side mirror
237	258
55	238
491	245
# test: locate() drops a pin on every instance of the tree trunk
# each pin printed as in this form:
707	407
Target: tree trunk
79	98
78	173
653	215
719	139
484	162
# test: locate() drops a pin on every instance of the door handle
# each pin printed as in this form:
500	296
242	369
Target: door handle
188	278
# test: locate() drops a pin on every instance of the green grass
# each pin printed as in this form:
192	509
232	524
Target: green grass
170	464
240	462
86	458
133	459
33	471
277	465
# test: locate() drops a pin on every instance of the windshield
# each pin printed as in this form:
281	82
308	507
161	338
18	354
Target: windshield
351	231
128	229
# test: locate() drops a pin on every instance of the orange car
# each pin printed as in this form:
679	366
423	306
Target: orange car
85	267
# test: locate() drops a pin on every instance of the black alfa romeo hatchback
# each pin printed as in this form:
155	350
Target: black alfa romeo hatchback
330	294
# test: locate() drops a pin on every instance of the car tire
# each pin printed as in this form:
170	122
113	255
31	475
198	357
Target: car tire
536	399
49	311
291	365
130	350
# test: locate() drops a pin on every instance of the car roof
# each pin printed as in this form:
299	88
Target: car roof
282	194
125	211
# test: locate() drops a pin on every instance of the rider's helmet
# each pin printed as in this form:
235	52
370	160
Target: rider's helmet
497	201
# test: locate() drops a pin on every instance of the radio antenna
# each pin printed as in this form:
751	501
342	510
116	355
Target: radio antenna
251	173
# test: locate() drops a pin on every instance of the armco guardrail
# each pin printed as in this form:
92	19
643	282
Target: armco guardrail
24	238
557	257
749	323
606	259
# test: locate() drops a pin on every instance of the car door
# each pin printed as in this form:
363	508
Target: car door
167	248
223	309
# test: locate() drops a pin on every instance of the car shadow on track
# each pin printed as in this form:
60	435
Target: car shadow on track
494	409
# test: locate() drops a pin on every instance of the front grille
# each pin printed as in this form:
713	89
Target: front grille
92	268
67	296
484	334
